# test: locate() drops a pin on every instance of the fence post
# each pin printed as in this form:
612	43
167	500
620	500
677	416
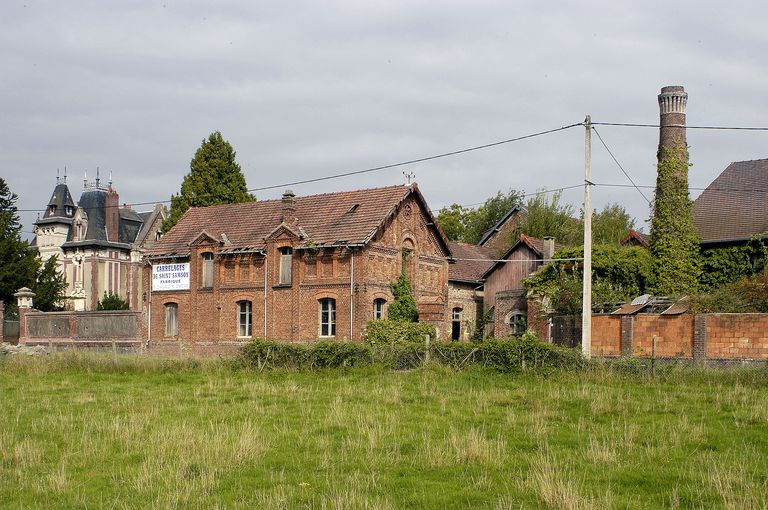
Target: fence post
426	353
653	357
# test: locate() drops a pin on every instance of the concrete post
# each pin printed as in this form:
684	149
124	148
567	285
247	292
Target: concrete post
25	300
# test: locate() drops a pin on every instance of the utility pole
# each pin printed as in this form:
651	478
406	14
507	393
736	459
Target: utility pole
586	301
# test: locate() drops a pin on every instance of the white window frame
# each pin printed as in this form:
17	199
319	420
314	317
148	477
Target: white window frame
286	260
245	319
378	308
327	317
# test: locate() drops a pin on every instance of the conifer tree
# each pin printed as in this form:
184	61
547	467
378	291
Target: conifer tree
214	178
18	262
50	287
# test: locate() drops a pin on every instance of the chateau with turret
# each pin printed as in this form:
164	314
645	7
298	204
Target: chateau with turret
99	244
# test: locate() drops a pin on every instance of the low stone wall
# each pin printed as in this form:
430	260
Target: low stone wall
712	337
125	331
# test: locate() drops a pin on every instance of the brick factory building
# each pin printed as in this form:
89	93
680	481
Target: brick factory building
296	269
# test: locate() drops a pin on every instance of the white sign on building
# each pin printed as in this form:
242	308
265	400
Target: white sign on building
170	277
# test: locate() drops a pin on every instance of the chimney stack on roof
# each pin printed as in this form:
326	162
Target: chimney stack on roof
289	206
549	247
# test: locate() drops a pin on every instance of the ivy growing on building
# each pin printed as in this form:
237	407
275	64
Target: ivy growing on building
726	264
674	240
403	308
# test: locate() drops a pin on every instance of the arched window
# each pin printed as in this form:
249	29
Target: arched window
378	308
286	256
171	319
207	273
327	317
244	309
456	324
517	321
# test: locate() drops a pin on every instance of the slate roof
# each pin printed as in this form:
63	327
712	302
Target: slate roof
735	206
342	218
469	270
60	199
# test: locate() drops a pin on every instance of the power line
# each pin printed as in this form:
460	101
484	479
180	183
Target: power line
376	168
526	195
632	124
619	165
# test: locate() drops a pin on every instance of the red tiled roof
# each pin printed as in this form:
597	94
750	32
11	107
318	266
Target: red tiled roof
734	206
326	219
469	270
637	238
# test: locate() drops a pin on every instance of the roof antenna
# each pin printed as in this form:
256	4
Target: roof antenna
409	176
57	176
65	174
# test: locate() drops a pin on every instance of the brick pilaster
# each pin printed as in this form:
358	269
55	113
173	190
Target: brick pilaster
627	331
699	337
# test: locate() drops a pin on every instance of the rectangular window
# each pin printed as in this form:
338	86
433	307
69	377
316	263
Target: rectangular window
245	318
207	276
171	319
286	256
327	317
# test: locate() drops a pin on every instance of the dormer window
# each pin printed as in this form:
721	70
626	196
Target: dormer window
53	209
158	235
69	210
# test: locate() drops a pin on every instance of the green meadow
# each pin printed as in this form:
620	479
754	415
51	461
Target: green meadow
96	432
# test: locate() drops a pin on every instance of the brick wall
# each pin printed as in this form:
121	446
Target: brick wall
470	301
737	336
713	337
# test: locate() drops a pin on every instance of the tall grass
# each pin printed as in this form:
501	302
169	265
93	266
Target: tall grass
128	432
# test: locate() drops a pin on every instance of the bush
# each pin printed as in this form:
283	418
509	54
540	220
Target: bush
389	332
748	295
507	355
112	302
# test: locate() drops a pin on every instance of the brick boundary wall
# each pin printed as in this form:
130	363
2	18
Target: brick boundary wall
718	338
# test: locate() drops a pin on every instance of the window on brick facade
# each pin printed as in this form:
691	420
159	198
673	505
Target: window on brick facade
327	317
456	324
286	257
378	308
244	318
171	319
207	273
518	322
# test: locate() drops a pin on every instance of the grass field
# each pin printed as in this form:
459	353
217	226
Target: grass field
93	433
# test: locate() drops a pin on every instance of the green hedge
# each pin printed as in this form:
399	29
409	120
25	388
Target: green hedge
386	332
509	355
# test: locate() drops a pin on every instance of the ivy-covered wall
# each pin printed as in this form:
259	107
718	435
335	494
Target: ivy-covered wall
722	265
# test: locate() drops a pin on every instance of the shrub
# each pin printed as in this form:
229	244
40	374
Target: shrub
748	295
403	308
506	355
391	332
112	302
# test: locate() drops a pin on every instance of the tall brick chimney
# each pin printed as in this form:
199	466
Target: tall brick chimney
112	214
672	103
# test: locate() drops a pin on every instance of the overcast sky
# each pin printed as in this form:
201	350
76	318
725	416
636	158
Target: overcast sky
307	89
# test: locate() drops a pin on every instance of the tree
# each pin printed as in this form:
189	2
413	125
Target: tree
214	178
674	240
112	302
49	287
549	217
611	225
468	225
18	262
